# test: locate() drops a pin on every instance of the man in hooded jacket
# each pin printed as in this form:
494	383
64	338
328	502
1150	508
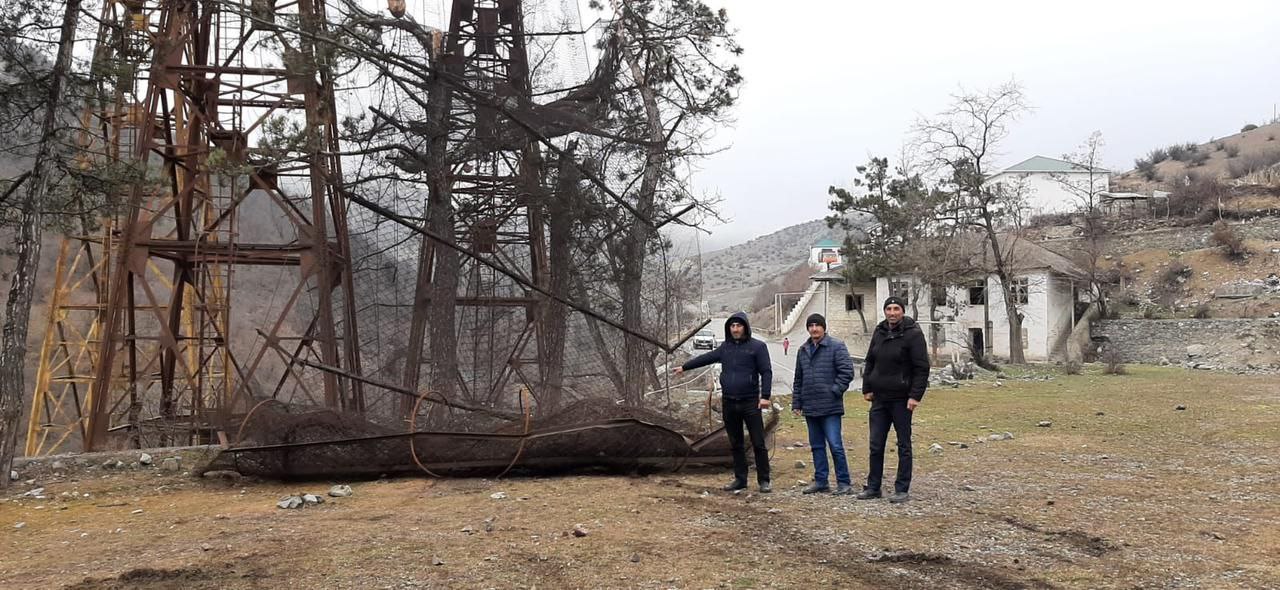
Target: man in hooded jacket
746	382
896	374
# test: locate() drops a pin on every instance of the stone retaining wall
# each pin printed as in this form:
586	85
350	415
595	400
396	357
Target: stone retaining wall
1210	343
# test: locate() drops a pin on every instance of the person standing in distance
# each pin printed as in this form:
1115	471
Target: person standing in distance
824	371
746	380
896	376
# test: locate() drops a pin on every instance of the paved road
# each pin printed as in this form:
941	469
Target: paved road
783	364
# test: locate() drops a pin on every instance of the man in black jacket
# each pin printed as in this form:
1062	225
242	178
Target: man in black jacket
746	381
895	377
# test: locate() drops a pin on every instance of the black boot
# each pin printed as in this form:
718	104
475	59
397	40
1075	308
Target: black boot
868	494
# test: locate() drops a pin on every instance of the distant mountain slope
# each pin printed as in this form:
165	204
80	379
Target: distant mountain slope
734	274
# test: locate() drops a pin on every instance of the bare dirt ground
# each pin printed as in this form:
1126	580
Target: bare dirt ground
1121	491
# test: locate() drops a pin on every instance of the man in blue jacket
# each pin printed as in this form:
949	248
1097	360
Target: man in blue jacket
824	371
746	381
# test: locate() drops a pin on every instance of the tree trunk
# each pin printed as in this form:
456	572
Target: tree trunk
443	291
1016	354
555	318
635	363
13	341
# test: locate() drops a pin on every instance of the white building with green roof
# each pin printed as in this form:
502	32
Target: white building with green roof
825	252
1049	185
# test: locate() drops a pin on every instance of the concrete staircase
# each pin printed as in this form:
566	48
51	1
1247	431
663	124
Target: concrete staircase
797	312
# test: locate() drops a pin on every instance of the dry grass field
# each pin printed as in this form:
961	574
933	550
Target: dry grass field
1123	490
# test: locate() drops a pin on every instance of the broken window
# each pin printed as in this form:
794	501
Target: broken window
852	302
939	296
978	293
1020	291
900	289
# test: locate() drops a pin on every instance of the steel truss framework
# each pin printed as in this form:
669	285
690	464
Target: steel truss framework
139	346
147	358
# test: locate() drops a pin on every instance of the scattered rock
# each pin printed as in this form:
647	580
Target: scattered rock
468	529
171	464
36	493
774	511
20	525
498	495
1100	414
138	511
436	560
1164	361
58	466
996	437
109	464
800	465
935	448
226	475
1180	407
635	558
206	547
1044	424
13	476
312	499
1217	536
341	491
289	503
145	459
580	531
488	524
1007	436
1195	350
969	488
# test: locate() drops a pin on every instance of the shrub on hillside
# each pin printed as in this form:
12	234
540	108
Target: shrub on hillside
1048	220
1198	159
1226	236
1168	285
1207	216
1248	164
1145	167
1219	146
1183	152
1201	312
1188	200
1232	151
1158	155
1248	128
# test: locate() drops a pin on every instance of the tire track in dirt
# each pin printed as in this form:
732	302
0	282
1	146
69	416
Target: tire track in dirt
940	571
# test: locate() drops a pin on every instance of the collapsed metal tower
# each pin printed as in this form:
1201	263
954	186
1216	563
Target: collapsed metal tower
221	303
148	358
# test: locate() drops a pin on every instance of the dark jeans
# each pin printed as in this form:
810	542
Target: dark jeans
737	412
824	433
884	414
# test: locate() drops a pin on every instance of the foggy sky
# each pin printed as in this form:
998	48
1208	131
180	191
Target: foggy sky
829	83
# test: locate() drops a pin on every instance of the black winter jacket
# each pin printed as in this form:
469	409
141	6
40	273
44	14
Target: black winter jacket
745	369
897	365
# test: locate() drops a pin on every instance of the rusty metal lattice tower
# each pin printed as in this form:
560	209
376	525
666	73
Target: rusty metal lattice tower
489	200
155	355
